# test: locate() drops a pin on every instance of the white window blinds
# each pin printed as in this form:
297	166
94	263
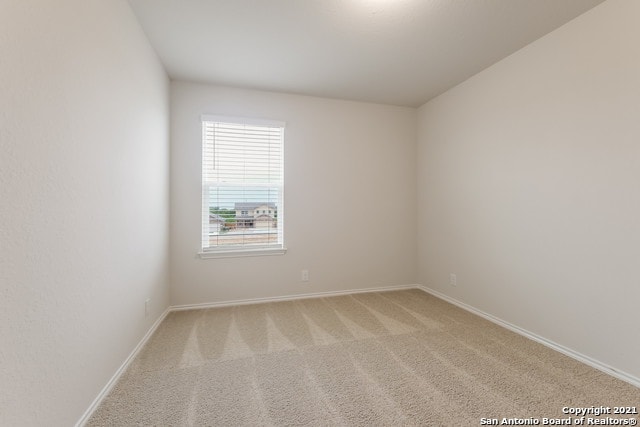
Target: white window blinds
242	184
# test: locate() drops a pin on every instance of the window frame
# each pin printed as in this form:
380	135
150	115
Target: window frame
243	250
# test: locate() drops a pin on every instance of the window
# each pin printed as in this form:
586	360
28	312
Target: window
242	170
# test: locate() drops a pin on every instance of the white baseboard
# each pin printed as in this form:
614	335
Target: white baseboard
288	297
114	379
537	338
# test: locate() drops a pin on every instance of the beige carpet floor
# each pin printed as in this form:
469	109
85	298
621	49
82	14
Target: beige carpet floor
381	359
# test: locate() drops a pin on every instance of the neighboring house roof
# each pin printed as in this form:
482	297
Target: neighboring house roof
253	205
265	217
216	218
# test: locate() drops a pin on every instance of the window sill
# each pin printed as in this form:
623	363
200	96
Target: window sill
240	253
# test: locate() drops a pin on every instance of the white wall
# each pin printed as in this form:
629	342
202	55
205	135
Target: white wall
528	187
84	202
349	166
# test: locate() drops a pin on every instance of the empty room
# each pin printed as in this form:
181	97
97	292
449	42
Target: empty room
322	212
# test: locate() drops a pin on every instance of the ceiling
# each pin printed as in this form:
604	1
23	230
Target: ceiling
399	52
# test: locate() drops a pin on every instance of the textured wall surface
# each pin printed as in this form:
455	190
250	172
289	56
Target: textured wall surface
528	187
83	202
349	196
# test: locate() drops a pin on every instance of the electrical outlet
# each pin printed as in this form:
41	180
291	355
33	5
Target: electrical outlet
305	275
453	281
147	306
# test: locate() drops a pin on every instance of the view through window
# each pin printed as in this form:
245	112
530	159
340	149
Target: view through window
242	184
